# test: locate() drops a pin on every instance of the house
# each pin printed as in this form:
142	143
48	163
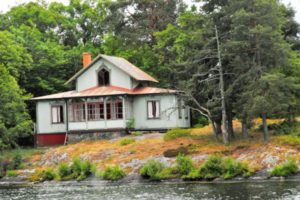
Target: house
110	94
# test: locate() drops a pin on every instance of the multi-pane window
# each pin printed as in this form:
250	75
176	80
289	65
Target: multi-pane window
78	112
96	110
153	108
119	109
57	114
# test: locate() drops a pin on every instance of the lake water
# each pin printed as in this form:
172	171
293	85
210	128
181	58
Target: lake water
166	191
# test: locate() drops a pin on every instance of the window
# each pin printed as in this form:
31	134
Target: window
95	111
109	110
153	109
119	109
78	112
57	114
103	77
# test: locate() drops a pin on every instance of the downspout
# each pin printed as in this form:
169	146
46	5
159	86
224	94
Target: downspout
67	121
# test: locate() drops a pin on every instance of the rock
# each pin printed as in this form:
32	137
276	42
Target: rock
199	157
174	152
270	160
54	159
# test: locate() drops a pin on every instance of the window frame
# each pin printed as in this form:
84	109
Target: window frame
61	108
109	77
159	110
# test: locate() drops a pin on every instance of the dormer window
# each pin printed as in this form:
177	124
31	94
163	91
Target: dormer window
103	77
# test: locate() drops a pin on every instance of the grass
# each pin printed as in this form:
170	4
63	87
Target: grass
112	173
290	140
286	169
11	173
218	167
127	141
177	133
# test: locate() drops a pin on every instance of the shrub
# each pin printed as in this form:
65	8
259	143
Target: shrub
166	173
49	174
232	168
151	169
81	169
137	133
130	124
212	168
11	173
193	175
175	152
113	173
177	133
16	161
286	169
184	164
127	141
201	122
65	172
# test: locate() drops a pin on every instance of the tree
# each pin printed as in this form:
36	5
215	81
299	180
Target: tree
15	122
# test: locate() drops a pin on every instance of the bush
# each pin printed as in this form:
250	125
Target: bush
65	172
113	173
137	133
130	124
81	169
127	141
166	173
151	169
201	122
286	169
232	168
11	173
177	133
16	161
212	168
282	128
49	174
216	167
184	164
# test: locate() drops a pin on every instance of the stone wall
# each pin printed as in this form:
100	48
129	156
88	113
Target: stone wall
77	137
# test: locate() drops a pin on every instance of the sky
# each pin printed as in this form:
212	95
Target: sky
5	5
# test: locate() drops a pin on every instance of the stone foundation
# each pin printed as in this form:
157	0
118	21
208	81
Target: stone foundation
77	137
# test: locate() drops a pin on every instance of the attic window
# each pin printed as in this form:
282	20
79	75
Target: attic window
103	77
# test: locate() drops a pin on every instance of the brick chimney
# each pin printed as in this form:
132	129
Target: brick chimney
86	59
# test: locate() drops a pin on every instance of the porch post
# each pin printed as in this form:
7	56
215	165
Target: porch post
86	113
67	121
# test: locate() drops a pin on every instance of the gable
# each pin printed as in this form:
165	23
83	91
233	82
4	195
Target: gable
120	63
89	78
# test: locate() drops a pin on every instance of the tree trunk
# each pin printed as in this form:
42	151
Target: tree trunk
244	129
229	123
265	127
218	125
222	92
290	115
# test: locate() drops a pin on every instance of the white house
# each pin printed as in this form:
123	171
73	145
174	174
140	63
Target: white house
110	92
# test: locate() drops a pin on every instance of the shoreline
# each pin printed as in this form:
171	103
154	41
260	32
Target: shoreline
9	182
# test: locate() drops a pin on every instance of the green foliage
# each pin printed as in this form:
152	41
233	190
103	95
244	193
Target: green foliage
169	153
151	169
127	141
112	173
286	169
184	164
177	133
64	171
15	122
11	173
17	161
166	173
137	133
201	122
291	140
130	124
232	168
216	167
49	174
212	168
80	170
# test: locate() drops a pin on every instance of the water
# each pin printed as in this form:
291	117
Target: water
170	191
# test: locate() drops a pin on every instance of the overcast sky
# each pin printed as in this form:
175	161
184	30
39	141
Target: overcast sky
6	4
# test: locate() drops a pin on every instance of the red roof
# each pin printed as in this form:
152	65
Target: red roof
106	91
122	64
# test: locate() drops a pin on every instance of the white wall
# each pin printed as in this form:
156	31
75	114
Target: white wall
169	114
90	79
44	121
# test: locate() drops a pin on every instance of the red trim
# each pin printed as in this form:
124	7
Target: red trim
50	139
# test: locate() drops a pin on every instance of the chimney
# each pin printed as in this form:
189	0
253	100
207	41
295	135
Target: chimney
86	59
